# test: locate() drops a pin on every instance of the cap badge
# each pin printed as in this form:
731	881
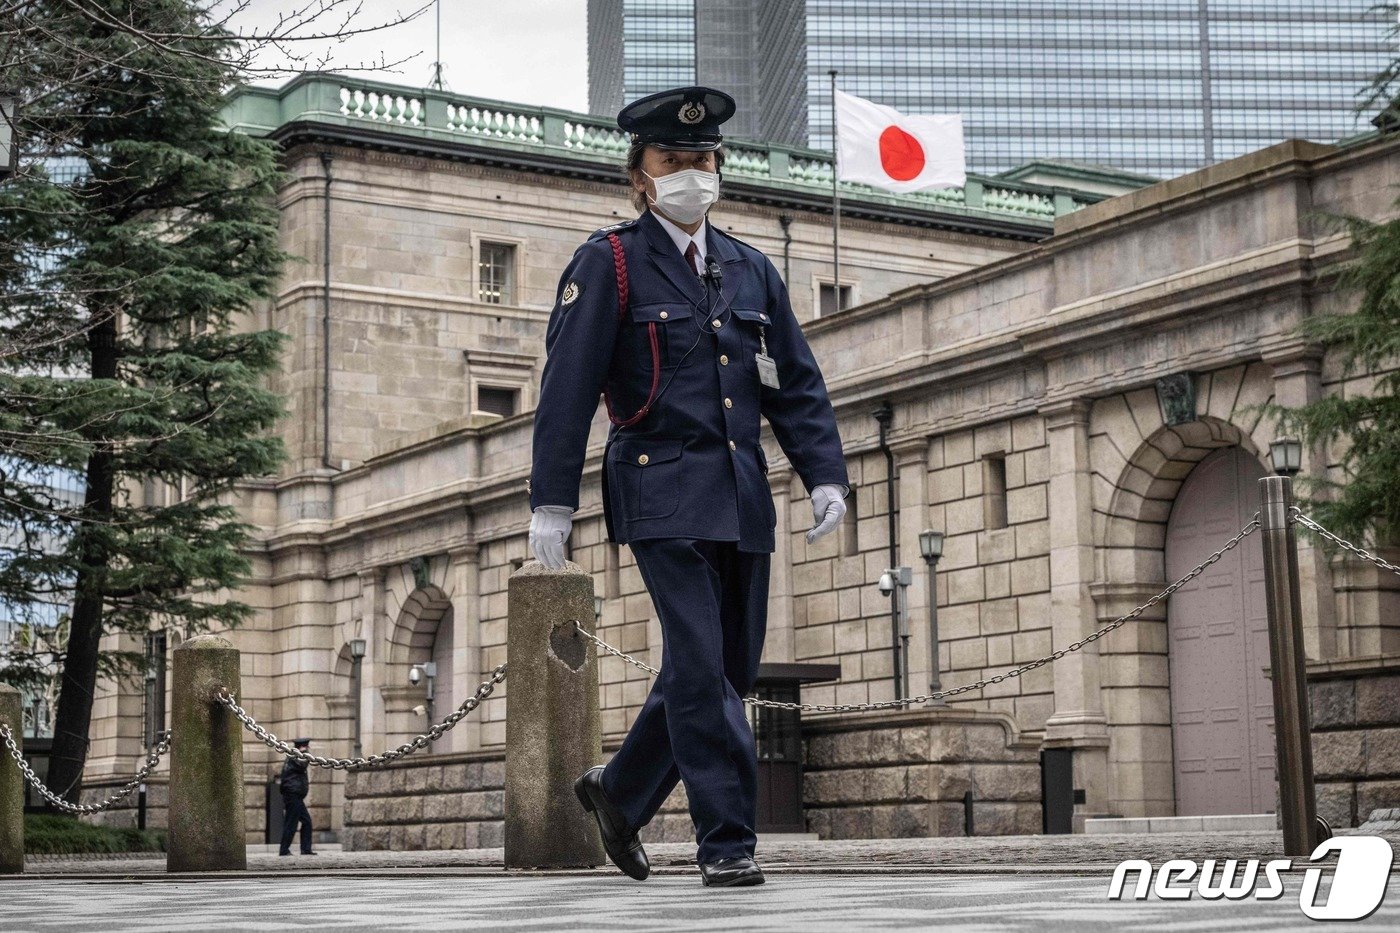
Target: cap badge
570	293
692	112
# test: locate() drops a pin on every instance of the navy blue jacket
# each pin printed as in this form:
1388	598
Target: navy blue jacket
693	466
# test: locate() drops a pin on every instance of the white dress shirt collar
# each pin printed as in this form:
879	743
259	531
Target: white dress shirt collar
683	239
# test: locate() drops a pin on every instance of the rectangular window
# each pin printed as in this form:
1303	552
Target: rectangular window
828	299
155	686
496	400
496	272
994	491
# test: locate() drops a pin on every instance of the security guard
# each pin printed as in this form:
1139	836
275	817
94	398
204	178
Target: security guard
295	786
688	333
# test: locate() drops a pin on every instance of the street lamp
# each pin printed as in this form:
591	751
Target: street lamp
1286	455
357	656
9	138
598	609
931	547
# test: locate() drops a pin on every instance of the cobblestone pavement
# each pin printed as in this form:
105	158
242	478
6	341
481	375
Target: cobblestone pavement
1067	854
812	902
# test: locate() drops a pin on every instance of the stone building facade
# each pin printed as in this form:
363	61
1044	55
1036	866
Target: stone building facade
1070	392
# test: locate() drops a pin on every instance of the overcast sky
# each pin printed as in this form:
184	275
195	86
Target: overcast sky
523	51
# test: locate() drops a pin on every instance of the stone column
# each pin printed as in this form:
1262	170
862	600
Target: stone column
1298	382
553	731
780	642
206	761
463	575
911	466
376	636
1078	721
11	786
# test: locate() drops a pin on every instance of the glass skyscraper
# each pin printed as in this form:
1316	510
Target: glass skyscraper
1156	86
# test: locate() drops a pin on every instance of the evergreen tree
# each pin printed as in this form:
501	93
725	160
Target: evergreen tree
126	356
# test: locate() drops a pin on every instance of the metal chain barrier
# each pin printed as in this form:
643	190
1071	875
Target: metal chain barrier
1005	675
153	757
1296	514
351	764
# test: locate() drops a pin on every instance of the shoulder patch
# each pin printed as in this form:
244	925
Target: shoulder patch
610	228
570	293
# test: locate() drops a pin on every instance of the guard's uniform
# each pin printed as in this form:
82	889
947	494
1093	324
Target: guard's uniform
686	488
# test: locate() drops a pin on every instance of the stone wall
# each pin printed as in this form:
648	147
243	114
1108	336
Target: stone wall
433	802
880	776
124	814
869	776
1356	736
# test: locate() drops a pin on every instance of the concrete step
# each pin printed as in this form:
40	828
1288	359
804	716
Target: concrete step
1247	822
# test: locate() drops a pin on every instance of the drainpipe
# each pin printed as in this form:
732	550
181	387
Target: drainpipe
884	415
326	315
785	220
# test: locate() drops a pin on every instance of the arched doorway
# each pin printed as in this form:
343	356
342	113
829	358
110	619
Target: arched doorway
1218	644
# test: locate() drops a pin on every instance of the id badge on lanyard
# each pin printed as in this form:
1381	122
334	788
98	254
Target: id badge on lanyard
767	369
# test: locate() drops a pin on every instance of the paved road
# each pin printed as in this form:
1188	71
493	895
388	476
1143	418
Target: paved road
468	899
1068	852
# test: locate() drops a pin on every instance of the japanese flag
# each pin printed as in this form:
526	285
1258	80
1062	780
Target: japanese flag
880	146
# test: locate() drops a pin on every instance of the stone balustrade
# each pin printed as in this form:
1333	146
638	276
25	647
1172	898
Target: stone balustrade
431	113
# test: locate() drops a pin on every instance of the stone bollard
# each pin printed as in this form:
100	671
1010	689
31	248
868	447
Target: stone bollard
11	786
206	761
552	725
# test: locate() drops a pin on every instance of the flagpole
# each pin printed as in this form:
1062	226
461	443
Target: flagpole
835	201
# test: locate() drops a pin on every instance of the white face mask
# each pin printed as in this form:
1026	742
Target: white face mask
686	195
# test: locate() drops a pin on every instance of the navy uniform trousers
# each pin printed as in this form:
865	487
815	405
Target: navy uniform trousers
294	812
713	609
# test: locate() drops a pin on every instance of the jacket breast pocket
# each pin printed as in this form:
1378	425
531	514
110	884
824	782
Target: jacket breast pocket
675	331
749	322
649	472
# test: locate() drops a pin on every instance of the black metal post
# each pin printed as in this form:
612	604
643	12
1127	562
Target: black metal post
1292	726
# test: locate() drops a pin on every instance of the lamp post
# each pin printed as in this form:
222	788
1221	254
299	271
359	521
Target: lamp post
598	610
357	656
931	547
1286	456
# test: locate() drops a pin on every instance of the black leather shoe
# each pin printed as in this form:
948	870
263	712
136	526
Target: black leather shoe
731	872
623	846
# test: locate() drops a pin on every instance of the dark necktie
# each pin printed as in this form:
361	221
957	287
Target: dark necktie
692	256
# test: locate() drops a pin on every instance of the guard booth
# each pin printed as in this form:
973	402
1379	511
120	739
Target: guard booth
778	735
38	751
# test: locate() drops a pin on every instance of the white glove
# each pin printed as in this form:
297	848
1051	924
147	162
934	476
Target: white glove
828	506
549	529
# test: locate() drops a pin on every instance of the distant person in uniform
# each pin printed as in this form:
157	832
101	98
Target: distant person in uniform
688	333
295	786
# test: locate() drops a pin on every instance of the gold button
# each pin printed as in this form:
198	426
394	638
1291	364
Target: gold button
763	317
717	323
728	403
642	458
663	315
723	359
731	446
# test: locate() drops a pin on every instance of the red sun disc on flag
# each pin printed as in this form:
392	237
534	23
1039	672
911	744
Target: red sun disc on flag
901	156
